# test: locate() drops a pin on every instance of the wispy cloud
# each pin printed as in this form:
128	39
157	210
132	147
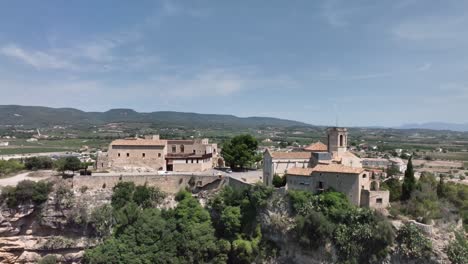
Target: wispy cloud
95	55
425	67
38	59
434	31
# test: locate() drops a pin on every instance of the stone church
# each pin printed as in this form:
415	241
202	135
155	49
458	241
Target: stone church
335	168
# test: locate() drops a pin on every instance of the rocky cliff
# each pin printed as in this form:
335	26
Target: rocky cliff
58	227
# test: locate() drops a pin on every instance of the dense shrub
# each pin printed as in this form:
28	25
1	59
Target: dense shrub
49	259
102	220
313	229
38	163
27	191
279	181
359	235
10	166
412	244
394	187
148	235
457	250
143	196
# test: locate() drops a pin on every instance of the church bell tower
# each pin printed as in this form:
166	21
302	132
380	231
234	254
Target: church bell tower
337	139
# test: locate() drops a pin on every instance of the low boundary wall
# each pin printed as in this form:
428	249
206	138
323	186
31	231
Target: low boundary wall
167	183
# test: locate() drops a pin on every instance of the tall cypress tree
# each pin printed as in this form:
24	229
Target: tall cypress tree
409	182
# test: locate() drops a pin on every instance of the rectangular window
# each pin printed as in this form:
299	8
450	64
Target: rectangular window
118	154
174	149
128	155
379	200
159	155
193	151
143	155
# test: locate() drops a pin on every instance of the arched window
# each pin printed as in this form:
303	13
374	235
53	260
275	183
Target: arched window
182	148
341	140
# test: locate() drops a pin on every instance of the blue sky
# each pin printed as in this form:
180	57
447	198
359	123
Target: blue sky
365	62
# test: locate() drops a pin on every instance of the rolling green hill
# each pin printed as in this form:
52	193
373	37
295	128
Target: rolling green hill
38	116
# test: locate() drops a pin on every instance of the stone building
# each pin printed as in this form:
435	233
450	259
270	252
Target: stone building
154	154
336	168
279	162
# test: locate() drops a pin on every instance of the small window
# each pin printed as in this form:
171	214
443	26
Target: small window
379	200
182	148
159	155
364	176
118	154
193	151
174	148
128	155
143	155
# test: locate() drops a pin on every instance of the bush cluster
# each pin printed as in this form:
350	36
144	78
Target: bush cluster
10	166
358	235
25	192
38	163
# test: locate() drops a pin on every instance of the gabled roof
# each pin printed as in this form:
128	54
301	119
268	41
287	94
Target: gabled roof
316	147
138	142
300	171
290	155
333	168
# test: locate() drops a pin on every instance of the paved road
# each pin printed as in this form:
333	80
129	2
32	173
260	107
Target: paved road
13	181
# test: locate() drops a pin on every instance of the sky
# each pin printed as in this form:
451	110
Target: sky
355	63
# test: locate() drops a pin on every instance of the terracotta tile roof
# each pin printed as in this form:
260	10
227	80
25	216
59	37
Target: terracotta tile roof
138	142
317	146
180	141
291	155
338	168
300	171
334	168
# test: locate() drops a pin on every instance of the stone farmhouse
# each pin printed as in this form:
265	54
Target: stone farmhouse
335	168
154	154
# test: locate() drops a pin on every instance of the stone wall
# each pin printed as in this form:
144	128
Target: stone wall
167	183
237	184
375	199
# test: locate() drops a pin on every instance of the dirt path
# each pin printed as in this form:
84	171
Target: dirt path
13	181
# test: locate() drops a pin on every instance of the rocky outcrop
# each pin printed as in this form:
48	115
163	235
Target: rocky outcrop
58	227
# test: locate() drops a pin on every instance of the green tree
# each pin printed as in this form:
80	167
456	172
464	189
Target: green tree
38	163
441	187
240	152
231	221
279	181
394	187
313	229
123	194
68	164
409	181
412	244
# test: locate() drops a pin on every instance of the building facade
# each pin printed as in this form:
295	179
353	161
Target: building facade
154	154
336	169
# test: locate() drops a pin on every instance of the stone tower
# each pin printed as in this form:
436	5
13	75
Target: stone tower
337	139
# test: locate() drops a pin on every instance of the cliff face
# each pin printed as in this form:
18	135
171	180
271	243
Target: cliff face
277	226
59	227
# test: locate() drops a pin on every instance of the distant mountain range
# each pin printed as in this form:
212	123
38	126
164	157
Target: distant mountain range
38	116
437	126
